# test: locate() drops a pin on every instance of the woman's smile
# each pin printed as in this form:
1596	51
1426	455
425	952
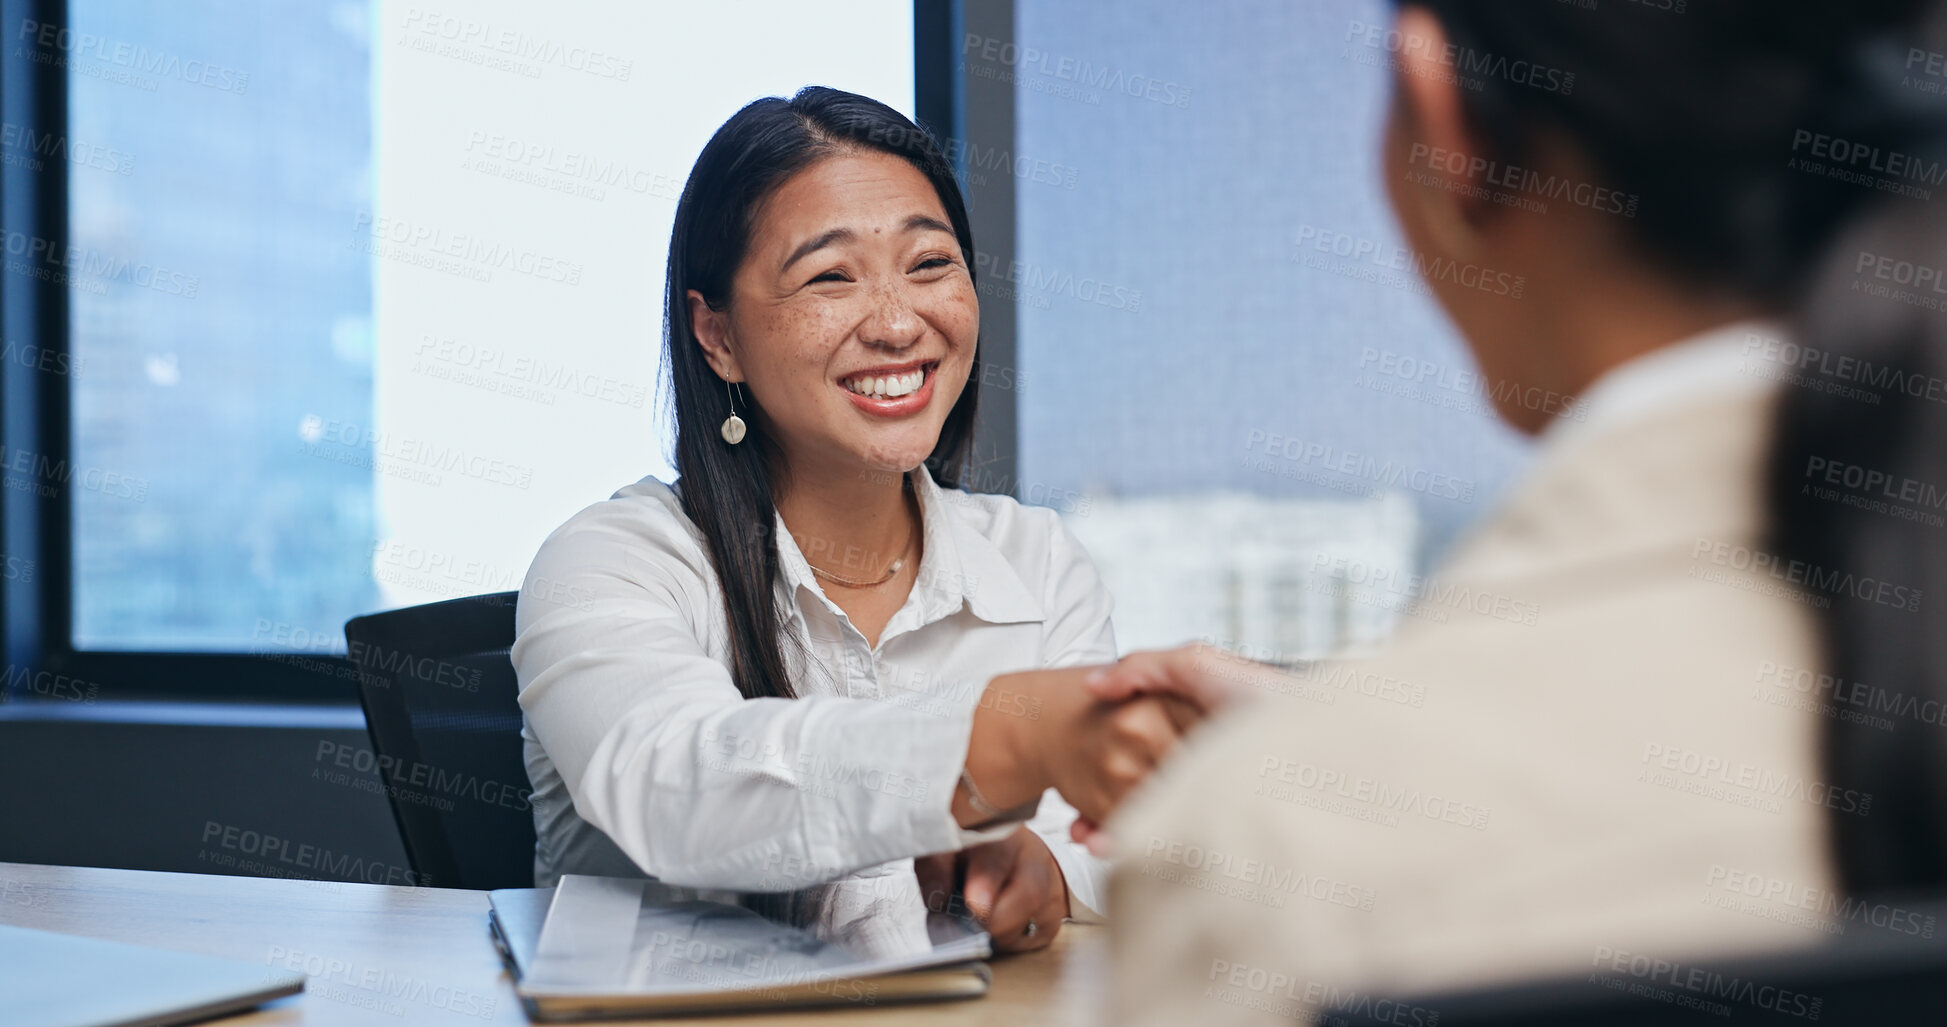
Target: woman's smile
899	390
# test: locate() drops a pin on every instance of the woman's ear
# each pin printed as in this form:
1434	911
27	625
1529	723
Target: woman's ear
1435	154
712	330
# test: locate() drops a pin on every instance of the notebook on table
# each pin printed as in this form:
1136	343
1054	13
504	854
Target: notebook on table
602	947
60	980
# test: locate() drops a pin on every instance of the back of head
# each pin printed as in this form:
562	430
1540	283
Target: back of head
1698	111
1786	154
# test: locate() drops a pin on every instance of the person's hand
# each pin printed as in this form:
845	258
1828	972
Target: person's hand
1114	748
1204	676
1041	729
1089	834
1005	885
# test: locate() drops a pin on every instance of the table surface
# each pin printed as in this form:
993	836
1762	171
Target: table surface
384	954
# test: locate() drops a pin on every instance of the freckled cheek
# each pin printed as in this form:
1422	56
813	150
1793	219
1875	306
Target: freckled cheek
958	318
800	344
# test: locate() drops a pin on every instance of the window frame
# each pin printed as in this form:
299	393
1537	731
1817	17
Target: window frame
36	531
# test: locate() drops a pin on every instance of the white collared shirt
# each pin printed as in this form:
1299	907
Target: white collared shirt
645	758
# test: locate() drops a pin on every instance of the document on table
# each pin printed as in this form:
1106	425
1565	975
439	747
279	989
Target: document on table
602	946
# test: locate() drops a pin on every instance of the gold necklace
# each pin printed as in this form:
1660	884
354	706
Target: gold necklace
891	571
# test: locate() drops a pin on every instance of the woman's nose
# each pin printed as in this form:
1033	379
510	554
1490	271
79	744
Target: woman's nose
893	323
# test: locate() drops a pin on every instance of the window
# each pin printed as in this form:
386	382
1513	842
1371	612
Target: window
1235	383
362	297
215	306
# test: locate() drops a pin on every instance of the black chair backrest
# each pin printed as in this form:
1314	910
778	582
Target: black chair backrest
441	704
1888	967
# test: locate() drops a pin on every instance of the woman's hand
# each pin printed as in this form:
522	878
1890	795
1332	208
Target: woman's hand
1037	730
1204	676
1006	885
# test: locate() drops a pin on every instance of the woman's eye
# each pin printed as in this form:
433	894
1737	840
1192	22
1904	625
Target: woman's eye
932	262
831	276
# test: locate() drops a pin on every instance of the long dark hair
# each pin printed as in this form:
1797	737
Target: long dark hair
1710	114
728	490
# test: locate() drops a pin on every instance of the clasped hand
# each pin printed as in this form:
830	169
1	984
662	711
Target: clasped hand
1092	734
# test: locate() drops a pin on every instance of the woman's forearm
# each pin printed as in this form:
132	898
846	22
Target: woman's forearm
768	794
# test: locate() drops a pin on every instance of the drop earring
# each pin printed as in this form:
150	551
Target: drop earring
733	426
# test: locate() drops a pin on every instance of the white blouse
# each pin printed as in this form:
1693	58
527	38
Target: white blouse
645	759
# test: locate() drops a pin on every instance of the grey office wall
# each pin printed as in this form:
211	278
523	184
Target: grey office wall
1177	166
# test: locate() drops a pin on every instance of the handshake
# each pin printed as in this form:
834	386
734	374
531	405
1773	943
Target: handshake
1091	733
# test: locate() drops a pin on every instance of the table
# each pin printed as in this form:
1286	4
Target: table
386	954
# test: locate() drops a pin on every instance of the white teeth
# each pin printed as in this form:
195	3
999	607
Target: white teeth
890	387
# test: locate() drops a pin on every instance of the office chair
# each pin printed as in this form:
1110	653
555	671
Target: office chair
1871	974
440	704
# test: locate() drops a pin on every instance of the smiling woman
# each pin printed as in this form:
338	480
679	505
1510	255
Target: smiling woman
808	662
857	309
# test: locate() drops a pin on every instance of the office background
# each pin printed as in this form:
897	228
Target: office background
313	309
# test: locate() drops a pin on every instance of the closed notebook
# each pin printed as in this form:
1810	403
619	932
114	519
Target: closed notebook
596	947
60	980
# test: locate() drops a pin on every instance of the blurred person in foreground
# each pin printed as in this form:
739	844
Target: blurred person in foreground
1692	653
